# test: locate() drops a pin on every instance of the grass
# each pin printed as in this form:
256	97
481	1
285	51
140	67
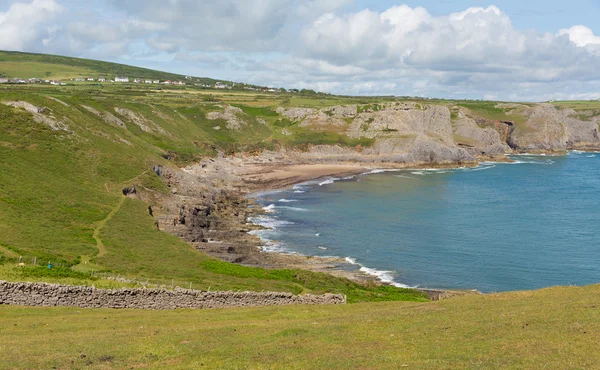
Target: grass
555	328
491	111
30	65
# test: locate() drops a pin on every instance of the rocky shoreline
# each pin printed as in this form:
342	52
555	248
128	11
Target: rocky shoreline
210	204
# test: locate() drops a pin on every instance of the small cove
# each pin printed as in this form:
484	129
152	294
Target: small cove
497	227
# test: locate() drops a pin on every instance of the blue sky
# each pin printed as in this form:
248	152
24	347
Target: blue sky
510	50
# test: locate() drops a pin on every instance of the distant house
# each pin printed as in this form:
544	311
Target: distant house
3	80
121	79
34	81
17	81
156	81
56	83
148	81
80	79
220	85
91	79
102	79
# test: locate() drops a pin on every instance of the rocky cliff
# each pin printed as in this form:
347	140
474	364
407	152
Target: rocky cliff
444	133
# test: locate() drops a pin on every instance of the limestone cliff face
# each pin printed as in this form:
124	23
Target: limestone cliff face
550	129
403	132
426	133
480	140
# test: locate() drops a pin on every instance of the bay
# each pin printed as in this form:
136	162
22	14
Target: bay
497	227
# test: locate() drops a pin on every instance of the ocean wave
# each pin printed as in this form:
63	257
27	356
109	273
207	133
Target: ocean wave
322	248
287	200
384	276
545	162
299	192
381	275
270	208
479	168
405	177
269	222
328	181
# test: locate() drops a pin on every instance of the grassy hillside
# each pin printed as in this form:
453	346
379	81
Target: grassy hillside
60	190
29	65
556	328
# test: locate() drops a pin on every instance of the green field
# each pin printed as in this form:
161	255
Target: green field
556	328
29	65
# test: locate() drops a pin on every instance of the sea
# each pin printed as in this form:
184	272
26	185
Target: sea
525	225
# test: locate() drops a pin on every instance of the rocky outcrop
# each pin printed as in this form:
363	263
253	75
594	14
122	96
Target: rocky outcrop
235	117
105	116
142	122
42	294
478	140
41	115
295	114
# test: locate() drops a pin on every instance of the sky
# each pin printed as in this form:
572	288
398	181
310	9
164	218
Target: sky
500	50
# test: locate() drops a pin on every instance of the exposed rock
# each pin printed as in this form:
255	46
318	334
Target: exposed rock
130	190
235	117
58	101
145	124
40	115
295	114
106	116
478	140
343	111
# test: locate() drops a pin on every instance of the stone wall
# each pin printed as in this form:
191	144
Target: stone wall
42	294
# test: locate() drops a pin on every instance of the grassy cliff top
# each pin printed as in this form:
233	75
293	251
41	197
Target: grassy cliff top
555	328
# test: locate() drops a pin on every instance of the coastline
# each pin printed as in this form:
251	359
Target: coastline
288	176
250	178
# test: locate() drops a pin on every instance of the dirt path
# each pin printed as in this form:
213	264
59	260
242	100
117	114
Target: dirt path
100	226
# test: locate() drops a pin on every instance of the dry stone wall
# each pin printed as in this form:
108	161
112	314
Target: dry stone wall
42	294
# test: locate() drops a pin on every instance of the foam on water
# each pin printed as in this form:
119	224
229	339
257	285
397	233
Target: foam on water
383	276
287	200
270	208
328	181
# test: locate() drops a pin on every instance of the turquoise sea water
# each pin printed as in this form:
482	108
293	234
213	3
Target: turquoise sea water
497	227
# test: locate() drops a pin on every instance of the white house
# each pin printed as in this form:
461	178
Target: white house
156	81
148	81
80	79
102	79
57	83
3	80
121	79
90	79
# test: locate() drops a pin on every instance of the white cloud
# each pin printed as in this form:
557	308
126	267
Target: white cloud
581	36
319	44
27	25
